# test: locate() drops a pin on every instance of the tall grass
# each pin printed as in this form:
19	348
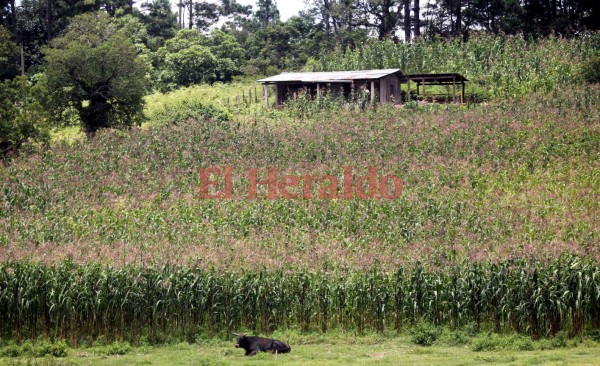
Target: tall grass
496	66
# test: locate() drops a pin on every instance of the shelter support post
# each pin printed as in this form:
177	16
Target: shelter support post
266	93
454	90
372	92
462	94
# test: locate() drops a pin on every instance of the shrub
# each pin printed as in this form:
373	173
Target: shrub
12	350
456	338
55	349
485	343
425	334
58	349
559	340
118	348
590	70
493	342
517	342
595	335
192	110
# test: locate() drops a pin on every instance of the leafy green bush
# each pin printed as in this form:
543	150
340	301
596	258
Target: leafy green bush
22	116
425	334
485	343
11	350
518	342
494	342
191	110
38	349
57	349
595	335
455	338
590	70
560	340
118	348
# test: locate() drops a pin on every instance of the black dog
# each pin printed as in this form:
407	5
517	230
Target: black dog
253	345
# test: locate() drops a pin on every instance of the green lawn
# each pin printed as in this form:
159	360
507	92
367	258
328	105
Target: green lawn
334	351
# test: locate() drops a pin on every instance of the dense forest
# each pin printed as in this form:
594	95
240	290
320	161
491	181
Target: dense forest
93	61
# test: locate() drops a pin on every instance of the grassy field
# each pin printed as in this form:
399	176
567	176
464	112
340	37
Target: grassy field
327	351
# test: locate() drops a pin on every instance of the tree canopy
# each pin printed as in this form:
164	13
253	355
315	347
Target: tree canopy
94	69
22	115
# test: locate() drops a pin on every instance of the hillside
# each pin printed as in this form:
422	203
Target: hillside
489	182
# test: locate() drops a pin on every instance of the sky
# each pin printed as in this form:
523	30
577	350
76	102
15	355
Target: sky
287	8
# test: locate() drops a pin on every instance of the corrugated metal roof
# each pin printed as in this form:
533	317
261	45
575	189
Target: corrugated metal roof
329	77
436	77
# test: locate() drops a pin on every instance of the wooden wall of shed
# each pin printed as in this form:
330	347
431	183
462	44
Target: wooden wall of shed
389	89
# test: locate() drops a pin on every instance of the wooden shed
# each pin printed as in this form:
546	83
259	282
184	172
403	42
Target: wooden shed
381	85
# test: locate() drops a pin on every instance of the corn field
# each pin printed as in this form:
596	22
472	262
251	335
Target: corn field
496	66
497	225
76	302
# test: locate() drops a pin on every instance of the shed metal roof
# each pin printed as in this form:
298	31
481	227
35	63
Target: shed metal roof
329	77
436	78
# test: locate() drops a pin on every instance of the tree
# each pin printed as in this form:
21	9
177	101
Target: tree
94	69
193	58
22	116
267	12
113	6
381	15
160	21
8	55
8	15
206	14
232	8
342	22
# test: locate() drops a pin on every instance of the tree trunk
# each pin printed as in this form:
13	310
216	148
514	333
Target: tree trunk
325	13
191	15
180	20
417	18
458	15
407	30
13	18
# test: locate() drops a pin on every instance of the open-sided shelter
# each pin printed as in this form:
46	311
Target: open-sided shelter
422	80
